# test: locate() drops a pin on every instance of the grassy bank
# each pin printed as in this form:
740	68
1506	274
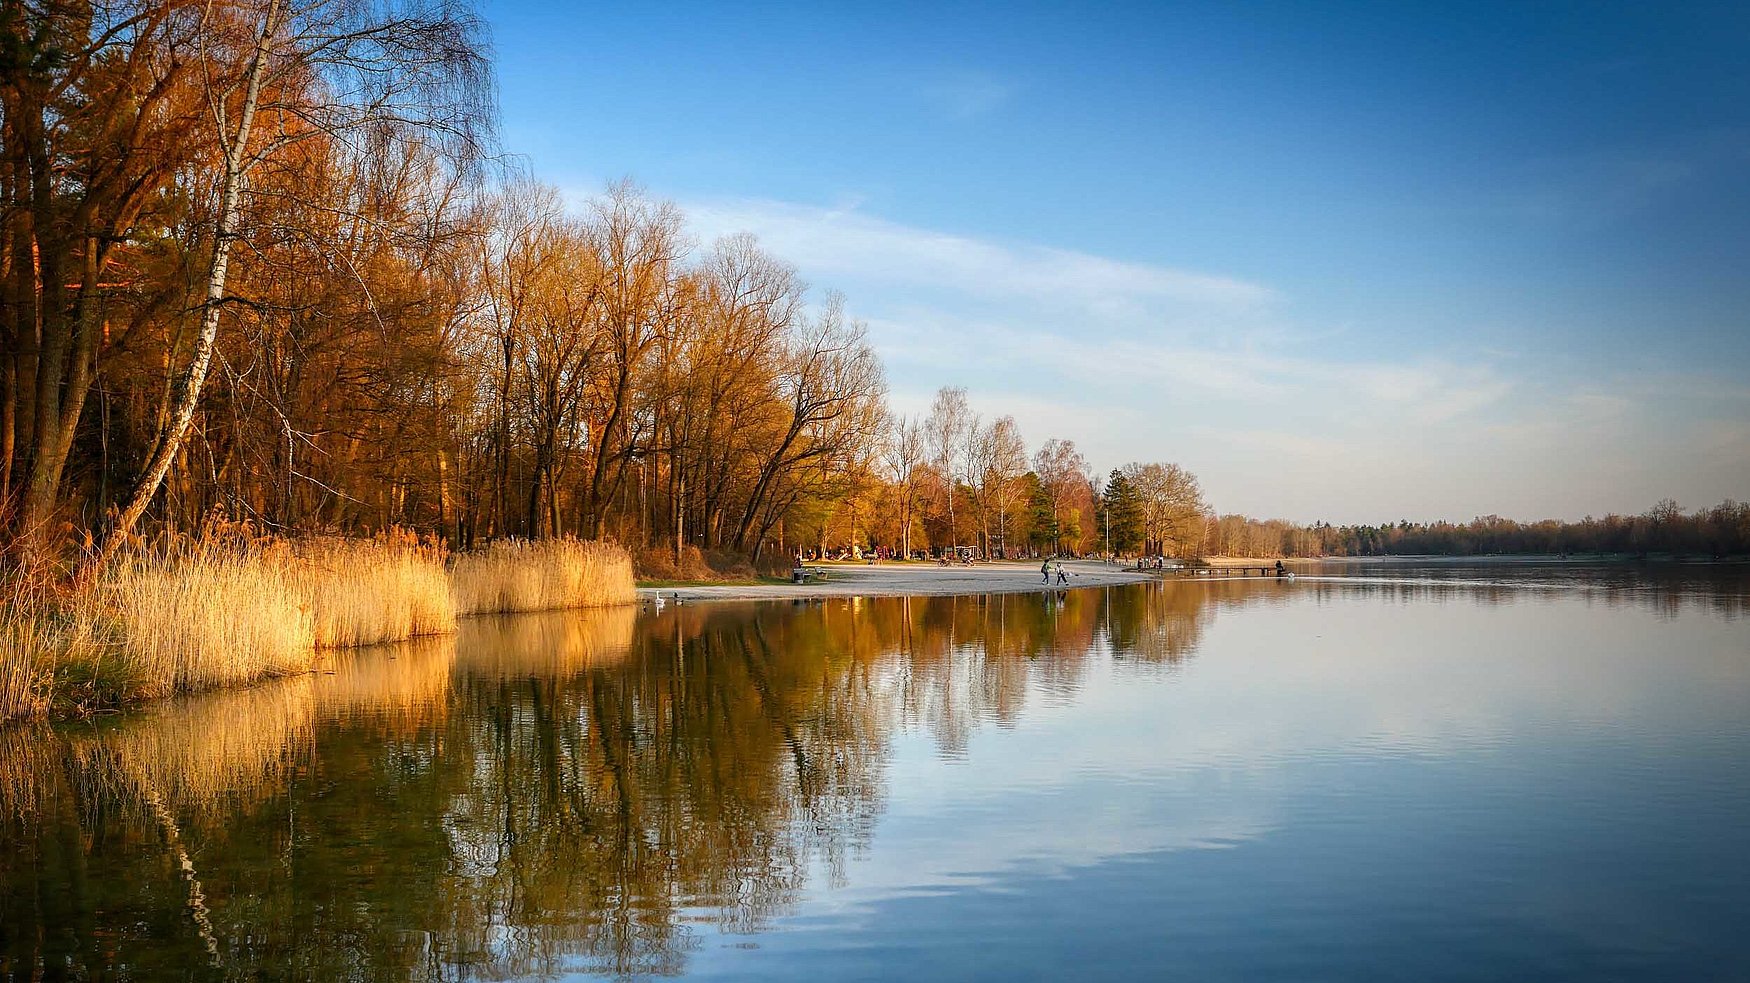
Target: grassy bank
197	616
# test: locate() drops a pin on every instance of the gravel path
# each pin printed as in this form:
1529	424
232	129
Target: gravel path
907	580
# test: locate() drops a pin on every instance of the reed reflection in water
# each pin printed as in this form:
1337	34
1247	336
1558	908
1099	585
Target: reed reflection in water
538	791
604	793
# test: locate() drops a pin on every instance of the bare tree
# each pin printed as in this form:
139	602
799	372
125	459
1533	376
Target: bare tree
832	389
1005	463
1173	511
903	452
1063	473
638	242
710	391
950	420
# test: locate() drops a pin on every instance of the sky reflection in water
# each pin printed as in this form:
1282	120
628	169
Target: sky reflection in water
1431	772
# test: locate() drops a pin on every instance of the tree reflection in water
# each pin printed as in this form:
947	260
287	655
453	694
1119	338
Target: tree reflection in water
564	791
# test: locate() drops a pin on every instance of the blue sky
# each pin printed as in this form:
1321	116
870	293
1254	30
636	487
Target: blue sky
1345	262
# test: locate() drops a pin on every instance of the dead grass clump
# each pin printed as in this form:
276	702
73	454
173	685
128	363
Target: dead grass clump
371	591
516	575
27	658
661	564
34	638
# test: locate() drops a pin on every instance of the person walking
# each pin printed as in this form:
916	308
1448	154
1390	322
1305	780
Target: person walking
1045	569
1062	577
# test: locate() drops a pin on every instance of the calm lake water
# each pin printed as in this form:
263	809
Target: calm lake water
1382	772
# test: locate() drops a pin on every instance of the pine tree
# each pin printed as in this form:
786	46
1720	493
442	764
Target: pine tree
1120	515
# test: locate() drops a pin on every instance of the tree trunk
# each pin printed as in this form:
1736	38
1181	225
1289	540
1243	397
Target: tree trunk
8	427
953	540
905	528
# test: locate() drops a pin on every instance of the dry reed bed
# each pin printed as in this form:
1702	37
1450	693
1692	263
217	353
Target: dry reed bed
218	618
223	614
514	575
25	672
370	592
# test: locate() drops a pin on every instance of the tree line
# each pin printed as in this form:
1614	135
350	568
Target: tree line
262	262
953	481
1666	528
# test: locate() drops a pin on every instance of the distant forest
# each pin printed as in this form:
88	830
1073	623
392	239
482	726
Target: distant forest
1720	531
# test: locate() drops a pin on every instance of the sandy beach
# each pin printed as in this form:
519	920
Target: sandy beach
907	580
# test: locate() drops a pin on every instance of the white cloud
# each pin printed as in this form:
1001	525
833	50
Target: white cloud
846	243
964	95
1427	391
1144	361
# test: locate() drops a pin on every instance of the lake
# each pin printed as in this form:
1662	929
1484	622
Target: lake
1382	771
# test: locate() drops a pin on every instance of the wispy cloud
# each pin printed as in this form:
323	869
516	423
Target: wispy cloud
844	242
1595	189
965	94
1137	360
1333	391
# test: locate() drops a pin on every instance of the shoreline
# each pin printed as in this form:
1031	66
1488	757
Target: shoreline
913	579
921	579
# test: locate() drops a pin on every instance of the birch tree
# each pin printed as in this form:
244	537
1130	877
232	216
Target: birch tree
903	453
950	420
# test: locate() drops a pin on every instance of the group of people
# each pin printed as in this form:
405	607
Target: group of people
1046	568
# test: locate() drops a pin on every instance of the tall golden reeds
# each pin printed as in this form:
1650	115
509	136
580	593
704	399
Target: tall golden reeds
26	666
366	592
230	609
211	615
515	575
34	639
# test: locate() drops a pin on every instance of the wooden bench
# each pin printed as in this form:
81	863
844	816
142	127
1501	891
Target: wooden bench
803	575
